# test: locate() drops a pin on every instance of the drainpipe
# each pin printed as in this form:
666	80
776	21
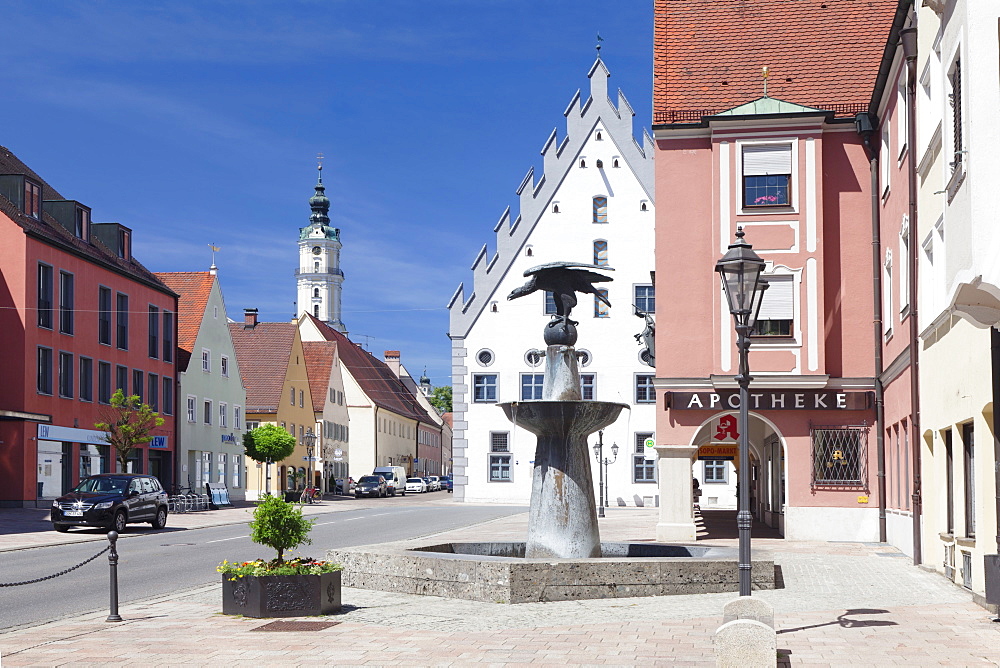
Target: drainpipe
865	125
908	39
995	356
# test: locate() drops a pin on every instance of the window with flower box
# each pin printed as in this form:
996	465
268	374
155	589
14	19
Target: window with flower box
767	175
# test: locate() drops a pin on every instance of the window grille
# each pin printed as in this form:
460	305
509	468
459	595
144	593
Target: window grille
534	357
967	570
499	441
485	357
840	456
583	356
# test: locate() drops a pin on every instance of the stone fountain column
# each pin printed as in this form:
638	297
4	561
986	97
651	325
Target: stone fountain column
676	523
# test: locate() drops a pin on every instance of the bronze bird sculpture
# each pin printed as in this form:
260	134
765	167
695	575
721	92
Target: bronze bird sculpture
563	280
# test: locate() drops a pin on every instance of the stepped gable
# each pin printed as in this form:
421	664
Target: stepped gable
558	157
708	54
374	377
194	288
52	232
263	352
319	357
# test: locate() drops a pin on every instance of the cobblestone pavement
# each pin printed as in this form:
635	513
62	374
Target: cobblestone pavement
843	604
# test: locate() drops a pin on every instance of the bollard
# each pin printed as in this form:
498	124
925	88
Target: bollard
113	562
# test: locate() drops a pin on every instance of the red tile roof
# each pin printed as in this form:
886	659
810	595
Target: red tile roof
319	357
194	288
708	54
263	353
52	232
377	380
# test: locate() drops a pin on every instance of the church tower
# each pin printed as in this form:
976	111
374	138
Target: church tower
319	277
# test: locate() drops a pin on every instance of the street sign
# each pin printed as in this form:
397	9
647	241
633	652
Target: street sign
649	449
310	459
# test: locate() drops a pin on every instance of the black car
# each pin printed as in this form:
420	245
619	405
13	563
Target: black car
371	485
110	501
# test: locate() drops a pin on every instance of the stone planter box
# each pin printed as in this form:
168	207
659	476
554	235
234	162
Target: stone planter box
281	595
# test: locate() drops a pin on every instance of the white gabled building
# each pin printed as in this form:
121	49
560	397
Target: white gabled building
593	204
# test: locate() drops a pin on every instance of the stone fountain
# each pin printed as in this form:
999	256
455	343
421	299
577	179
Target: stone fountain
563	557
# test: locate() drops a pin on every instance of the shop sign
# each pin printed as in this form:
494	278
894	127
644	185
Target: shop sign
810	400
229	438
159	443
49	432
719	451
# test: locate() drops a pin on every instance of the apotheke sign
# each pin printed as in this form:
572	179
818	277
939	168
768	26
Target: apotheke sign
813	400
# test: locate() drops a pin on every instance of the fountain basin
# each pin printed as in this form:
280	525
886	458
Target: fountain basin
497	572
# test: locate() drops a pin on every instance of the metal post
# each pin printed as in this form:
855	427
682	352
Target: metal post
600	469
267	486
744	519
113	562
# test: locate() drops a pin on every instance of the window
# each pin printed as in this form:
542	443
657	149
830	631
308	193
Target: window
66	300
840	455
291	396
206	360
44	385
600	164
587	386
237	417
168	395
499	462
531	386
645	298
191	417
123	243
643	470
122	316
154	331
82	223
32	199
252	424
955	77
484	357
767	174
236	470
534	357
316	311
45	296
121	378
137	385
104	315
600	209
904	268
885	160
153	391
550	303
223	417
499	441
316	293
168	336
104	382
716	471
224	361
949	478
969	479
601	252
601	309
207	412
776	315
86	379
644	392
66	375
887	294
484	388
302	402
901	118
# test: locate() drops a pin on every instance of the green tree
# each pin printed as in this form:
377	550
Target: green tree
268	443
441	399
280	525
127	422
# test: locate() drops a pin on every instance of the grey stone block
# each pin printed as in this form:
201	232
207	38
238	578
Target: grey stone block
745	643
747	607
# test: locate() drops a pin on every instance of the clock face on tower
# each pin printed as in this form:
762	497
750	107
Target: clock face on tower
317	250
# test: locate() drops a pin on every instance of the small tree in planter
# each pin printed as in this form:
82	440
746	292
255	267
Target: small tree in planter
279	588
266	444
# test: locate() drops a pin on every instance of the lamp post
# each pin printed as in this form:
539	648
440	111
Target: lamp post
740	269
309	440
602	467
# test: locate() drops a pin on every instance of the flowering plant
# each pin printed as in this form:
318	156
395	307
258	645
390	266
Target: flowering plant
766	199
297	566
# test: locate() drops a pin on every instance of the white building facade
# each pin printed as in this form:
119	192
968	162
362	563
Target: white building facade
319	278
592	205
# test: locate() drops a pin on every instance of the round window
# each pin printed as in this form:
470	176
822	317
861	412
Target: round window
484	357
645	357
317	250
583	356
534	357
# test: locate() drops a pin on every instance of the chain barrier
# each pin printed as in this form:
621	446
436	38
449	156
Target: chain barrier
49	577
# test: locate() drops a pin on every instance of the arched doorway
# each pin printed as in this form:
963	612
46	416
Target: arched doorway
718	476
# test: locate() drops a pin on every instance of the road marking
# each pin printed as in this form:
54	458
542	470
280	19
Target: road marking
224	539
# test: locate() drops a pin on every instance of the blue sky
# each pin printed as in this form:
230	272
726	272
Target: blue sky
199	122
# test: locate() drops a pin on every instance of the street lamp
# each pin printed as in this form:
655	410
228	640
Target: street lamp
740	269
309	440
602	467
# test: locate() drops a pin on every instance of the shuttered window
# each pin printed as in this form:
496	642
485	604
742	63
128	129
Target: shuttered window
767	172
777	311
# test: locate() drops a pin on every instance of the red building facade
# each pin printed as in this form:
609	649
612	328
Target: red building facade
80	317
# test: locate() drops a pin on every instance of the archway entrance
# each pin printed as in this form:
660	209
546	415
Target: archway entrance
716	463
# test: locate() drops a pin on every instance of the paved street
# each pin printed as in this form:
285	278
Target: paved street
843	604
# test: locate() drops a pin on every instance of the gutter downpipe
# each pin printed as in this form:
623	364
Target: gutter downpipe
995	356
908	40
866	124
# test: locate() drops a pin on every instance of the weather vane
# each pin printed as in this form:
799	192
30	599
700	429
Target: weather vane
215	249
765	72
598	47
319	159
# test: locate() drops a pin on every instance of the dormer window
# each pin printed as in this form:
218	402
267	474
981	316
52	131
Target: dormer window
82	227
614	163
32	199
124	244
599	136
583	162
767	175
600	164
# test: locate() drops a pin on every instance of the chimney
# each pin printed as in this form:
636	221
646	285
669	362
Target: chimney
392	360
249	318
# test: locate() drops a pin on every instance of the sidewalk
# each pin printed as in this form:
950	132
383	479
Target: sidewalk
843	604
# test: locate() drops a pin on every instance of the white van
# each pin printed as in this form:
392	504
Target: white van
395	478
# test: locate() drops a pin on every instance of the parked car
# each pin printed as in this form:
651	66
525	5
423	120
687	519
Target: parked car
395	478
371	485
435	483
111	501
416	485
345	485
447	483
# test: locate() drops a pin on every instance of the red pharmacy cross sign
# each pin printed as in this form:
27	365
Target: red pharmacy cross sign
725	429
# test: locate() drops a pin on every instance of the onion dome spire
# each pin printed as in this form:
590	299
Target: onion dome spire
319	203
